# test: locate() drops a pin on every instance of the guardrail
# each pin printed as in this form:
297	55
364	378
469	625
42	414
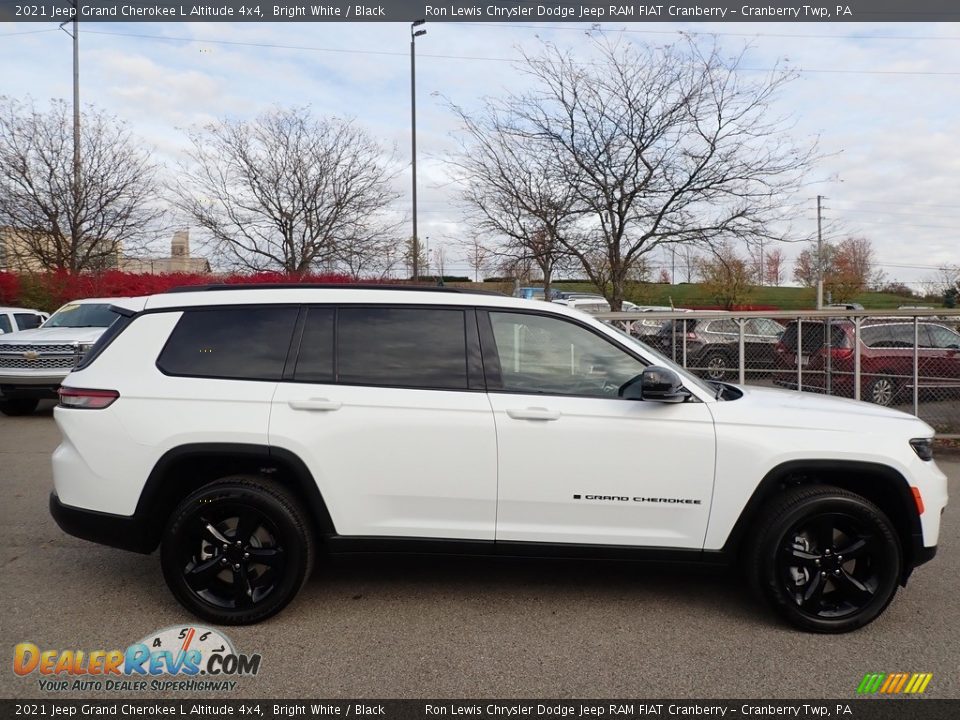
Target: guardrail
907	359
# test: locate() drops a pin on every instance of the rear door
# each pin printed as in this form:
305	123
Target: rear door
386	405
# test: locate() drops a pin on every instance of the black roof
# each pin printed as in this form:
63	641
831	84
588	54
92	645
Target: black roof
327	286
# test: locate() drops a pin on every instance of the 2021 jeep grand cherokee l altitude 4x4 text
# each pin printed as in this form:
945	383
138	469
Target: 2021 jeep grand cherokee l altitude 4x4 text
241	430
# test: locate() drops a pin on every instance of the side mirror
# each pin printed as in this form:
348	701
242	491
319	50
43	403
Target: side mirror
656	384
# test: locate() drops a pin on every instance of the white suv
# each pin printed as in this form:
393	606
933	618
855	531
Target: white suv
244	429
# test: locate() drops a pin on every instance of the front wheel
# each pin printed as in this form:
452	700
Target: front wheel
17	407
237	551
717	366
826	559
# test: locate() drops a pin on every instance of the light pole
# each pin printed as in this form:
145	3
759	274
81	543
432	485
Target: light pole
76	98
819	254
414	34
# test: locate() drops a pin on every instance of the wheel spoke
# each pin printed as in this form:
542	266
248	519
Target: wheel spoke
853	588
823	534
200	575
267	556
802	557
855	549
212	534
242	591
247	524
813	592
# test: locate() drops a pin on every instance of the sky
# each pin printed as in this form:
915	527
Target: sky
884	100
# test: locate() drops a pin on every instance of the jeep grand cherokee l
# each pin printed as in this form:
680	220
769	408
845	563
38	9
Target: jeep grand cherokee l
244	430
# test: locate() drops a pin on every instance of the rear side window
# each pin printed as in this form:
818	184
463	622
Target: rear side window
244	343
402	347
28	321
814	336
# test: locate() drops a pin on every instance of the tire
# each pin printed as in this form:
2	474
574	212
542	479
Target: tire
717	366
237	551
17	407
882	390
796	560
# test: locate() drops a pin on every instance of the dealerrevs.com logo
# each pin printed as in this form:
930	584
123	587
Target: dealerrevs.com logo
188	658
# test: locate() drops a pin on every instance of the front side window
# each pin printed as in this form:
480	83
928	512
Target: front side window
540	354
242	343
402	347
5	324
942	337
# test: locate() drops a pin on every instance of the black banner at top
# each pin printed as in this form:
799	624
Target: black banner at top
593	11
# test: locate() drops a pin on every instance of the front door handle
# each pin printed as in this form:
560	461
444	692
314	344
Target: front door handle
534	413
320	404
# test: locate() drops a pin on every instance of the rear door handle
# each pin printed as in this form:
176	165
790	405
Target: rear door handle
534	413
319	404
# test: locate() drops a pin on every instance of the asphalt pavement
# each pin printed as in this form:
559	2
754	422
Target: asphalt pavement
464	628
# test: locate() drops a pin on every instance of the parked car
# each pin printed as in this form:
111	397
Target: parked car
34	362
843	306
244	430
530	293
886	358
713	345
594	304
14	319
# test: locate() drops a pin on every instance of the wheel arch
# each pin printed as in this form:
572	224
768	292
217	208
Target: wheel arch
186	468
881	484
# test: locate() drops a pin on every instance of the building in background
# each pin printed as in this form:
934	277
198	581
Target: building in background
178	262
19	251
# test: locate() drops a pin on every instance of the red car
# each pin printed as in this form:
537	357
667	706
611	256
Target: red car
886	358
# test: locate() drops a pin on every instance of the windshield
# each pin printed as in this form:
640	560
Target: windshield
86	315
663	361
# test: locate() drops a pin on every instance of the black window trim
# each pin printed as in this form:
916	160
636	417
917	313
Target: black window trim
491	355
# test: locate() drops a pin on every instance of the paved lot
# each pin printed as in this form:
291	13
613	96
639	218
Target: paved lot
466	628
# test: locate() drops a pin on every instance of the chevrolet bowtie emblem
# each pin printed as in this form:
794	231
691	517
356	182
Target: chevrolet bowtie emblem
31	355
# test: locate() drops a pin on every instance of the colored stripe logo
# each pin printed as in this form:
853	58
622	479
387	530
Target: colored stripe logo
894	683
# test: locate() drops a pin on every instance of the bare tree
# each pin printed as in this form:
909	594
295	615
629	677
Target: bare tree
52	222
512	191
658	145
288	190
479	256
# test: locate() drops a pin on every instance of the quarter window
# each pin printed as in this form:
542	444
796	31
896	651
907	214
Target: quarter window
402	347
246	343
547	355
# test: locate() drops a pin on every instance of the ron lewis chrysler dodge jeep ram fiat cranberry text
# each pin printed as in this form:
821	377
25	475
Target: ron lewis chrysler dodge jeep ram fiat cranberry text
243	430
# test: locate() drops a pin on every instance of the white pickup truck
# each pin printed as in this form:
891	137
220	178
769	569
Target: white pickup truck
33	363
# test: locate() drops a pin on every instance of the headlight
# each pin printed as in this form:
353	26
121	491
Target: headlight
923	447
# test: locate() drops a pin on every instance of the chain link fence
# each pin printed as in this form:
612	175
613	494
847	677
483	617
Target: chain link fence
905	359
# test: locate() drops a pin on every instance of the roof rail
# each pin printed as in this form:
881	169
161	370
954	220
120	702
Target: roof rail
325	286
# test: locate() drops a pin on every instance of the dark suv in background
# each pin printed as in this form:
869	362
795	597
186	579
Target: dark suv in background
713	345
886	357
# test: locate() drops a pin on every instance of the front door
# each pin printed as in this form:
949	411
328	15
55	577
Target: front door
578	463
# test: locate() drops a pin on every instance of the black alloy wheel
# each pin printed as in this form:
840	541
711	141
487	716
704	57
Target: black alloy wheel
827	559
237	551
717	366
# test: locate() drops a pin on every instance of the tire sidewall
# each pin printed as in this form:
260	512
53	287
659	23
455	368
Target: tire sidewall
290	529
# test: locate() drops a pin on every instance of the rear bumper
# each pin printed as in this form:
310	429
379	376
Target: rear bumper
119	531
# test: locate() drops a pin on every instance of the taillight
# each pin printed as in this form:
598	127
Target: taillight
841	353
84	399
780	348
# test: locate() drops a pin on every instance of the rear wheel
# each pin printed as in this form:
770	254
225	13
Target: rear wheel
882	390
826	559
237	551
16	407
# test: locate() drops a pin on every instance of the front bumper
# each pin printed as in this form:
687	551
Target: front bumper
27	384
119	531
